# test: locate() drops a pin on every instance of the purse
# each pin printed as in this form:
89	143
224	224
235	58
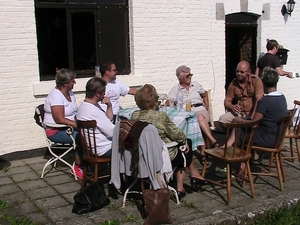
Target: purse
157	206
90	198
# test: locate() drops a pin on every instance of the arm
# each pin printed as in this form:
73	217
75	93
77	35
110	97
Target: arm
132	91
58	114
205	99
281	72
257	71
109	112
259	93
257	116
172	131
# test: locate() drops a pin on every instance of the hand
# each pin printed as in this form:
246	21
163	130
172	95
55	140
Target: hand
236	109
187	149
237	120
290	75
106	101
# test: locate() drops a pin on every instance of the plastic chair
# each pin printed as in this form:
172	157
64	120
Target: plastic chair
293	132
64	147
276	152
240	152
86	130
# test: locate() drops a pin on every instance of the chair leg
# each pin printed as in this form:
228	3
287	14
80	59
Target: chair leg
204	167
127	191
292	149
96	172
298	150
279	173
282	167
83	180
250	179
228	181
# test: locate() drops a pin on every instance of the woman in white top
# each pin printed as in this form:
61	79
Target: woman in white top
60	108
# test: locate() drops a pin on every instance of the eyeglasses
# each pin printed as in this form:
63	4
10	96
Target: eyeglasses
189	75
240	71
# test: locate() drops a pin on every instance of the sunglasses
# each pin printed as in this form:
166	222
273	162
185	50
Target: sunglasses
189	75
240	71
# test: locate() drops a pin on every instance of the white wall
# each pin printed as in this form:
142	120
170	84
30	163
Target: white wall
164	35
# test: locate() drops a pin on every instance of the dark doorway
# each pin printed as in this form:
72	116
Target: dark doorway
241	33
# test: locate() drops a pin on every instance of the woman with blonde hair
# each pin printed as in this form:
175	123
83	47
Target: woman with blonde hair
147	100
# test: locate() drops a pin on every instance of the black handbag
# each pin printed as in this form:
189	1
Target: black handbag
90	198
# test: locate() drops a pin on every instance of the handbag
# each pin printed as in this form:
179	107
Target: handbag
157	206
90	198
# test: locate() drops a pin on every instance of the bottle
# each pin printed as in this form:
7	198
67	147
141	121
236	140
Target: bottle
179	99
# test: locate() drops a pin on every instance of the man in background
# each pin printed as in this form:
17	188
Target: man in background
270	59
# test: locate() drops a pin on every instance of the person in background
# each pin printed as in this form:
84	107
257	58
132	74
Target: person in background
147	100
60	108
114	88
270	59
89	109
243	94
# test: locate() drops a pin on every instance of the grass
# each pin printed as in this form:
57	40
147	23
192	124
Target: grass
284	216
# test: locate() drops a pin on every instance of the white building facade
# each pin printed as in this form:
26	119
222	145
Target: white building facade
162	34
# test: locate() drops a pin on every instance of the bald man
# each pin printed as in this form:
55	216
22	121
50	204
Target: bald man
246	89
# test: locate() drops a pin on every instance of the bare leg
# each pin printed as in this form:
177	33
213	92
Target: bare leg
194	172
180	178
205	127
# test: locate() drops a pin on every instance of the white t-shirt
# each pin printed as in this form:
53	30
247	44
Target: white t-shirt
114	90
55	97
192	95
104	133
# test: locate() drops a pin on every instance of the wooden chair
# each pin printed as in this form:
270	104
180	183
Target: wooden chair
62	149
275	153
293	132
86	130
239	152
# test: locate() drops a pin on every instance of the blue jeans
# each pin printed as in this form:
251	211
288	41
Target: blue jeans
62	137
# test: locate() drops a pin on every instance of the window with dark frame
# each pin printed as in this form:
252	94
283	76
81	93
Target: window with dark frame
80	34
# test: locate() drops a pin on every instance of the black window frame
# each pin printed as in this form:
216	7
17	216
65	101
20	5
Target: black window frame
111	35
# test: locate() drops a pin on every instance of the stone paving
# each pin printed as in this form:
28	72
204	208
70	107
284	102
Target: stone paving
50	200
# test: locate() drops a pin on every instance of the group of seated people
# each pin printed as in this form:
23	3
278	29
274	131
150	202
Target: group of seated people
101	103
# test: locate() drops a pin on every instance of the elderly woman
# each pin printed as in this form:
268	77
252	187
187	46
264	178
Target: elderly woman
147	100
193	92
60	108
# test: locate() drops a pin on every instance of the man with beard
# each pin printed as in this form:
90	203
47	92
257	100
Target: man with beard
242	95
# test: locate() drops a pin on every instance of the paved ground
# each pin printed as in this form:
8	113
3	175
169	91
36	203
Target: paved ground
50	200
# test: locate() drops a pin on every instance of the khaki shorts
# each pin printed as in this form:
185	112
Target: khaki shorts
202	110
227	117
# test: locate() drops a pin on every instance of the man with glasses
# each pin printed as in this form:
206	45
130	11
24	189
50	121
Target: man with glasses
270	59
243	93
114	88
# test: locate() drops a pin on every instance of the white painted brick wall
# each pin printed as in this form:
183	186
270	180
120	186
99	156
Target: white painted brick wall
164	35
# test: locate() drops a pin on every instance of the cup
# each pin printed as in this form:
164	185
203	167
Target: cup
188	106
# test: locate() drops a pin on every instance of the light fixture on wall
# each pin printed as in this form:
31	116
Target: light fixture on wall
289	8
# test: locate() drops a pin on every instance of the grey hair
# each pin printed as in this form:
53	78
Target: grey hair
182	69
269	77
64	76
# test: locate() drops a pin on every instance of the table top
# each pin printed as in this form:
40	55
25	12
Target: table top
185	121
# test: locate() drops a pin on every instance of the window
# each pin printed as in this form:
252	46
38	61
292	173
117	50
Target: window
80	34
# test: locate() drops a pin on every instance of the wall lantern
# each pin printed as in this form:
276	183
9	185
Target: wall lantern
289	8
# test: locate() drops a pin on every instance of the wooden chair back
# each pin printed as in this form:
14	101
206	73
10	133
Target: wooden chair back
295	119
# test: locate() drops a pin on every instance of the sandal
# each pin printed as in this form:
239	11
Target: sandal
215	145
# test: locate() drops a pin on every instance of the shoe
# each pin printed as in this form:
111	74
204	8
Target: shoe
78	171
196	183
215	145
181	194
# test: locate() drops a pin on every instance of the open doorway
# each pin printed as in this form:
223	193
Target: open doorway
241	34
